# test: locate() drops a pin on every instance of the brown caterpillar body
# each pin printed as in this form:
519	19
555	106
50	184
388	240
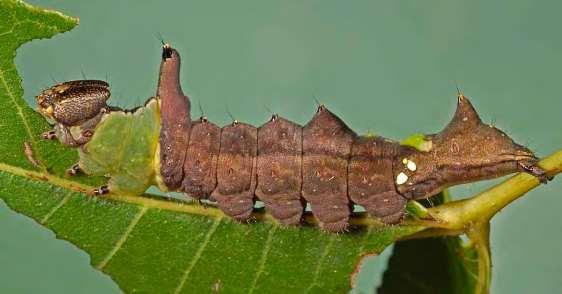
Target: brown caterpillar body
324	163
279	169
370	178
200	166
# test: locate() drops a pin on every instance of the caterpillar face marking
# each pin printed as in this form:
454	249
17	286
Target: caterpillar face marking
280	163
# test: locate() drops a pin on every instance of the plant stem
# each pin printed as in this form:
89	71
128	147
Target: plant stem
472	216
460	215
479	236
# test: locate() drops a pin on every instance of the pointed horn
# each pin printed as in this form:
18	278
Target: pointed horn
176	121
168	81
465	116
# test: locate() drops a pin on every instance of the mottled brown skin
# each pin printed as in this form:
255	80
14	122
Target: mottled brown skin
176	120
236	175
200	166
326	148
371	179
279	169
467	150
284	164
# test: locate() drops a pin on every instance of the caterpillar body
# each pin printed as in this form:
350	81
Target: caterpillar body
283	164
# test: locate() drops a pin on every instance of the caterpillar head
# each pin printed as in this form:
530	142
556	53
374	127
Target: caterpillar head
75	108
466	150
74	102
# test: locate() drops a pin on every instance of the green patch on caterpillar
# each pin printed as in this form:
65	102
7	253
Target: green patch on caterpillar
124	146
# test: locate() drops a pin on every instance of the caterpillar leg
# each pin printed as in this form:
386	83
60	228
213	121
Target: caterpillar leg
101	190
49	135
389	207
203	204
74	170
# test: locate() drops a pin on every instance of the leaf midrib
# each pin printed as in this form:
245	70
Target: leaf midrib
151	201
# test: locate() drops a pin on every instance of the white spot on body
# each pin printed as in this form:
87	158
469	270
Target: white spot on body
401	178
411	165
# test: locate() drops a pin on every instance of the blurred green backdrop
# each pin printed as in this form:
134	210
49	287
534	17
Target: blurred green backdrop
388	67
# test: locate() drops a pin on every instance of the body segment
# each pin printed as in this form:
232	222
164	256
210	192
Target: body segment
200	166
279	169
326	149
371	178
236	178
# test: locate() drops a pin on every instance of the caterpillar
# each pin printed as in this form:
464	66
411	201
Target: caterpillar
283	164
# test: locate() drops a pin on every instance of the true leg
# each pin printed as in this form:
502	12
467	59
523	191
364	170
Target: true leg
49	135
101	190
74	170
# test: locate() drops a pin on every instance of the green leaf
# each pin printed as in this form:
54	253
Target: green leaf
20	23
19	124
433	265
152	245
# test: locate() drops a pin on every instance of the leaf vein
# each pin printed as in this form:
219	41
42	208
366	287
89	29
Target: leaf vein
123	238
197	255
263	259
320	262
54	209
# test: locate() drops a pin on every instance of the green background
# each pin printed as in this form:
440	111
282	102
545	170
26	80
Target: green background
389	67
